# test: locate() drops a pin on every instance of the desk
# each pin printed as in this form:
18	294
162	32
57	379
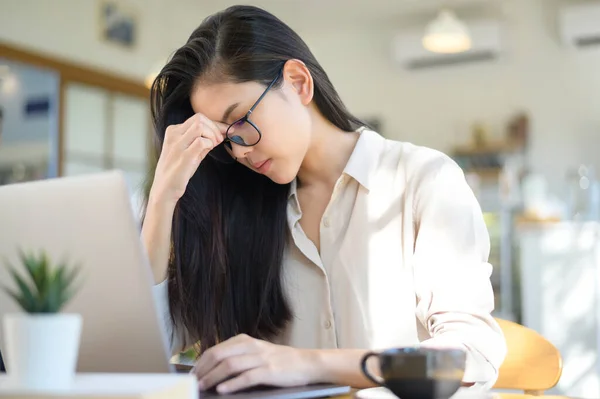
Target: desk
490	395
182	386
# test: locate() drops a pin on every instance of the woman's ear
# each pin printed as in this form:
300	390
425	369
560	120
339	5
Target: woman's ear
300	79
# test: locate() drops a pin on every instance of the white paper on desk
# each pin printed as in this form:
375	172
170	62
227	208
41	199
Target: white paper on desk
462	393
113	384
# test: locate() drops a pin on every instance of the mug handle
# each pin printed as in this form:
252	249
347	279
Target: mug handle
363	366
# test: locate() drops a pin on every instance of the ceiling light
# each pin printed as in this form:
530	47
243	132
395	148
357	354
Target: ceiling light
447	34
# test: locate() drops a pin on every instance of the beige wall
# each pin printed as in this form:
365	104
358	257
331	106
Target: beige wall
558	86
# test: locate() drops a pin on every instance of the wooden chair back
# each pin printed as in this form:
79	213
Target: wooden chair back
532	364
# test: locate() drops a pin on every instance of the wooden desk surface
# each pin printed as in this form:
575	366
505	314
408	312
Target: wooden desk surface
491	395
172	386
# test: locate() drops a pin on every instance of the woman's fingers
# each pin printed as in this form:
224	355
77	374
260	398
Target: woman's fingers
250	378
236	346
228	368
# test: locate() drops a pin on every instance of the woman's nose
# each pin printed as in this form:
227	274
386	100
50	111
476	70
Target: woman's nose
240	151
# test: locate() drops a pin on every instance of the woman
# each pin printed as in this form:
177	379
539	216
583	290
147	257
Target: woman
285	238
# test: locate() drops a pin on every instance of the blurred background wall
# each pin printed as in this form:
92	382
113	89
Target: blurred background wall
558	86
520	112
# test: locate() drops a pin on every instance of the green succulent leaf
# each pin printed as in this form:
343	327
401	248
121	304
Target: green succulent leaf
52	286
52	300
30	265
17	298
25	290
70	275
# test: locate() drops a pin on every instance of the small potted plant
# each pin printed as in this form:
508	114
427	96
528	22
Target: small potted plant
41	343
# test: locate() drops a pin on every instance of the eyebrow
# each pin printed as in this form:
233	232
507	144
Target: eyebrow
228	111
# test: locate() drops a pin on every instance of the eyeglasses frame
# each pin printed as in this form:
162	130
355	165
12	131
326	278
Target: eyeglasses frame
246	118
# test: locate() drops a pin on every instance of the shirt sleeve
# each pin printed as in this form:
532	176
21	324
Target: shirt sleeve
452	274
161	299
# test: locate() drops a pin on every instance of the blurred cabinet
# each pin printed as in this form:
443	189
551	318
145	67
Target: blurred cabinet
105	130
85	111
560	298
130	128
129	150
79	121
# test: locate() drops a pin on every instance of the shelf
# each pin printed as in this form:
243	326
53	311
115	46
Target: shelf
485	173
486	149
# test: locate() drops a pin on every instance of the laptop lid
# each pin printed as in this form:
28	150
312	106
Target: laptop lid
89	220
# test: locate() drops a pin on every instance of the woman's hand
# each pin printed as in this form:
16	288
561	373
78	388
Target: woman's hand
184	147
245	362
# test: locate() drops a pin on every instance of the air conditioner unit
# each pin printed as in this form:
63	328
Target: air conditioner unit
579	25
408	50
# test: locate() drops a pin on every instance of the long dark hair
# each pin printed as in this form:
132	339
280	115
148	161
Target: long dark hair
230	229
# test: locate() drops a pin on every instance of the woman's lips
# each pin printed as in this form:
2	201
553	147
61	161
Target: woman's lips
262	167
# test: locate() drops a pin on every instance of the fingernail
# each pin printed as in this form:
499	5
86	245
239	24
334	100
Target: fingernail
201	385
222	388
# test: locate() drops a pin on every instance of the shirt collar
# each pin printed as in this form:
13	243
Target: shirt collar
365	157
293	191
362	163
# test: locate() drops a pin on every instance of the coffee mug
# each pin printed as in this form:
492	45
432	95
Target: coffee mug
418	372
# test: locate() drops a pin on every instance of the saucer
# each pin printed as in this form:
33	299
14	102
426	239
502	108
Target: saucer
375	393
462	393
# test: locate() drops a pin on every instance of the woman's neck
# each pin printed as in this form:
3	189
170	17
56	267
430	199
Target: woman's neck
328	153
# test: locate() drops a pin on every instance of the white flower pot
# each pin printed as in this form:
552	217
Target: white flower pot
42	349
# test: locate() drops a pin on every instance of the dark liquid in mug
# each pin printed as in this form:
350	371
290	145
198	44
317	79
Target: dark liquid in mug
423	388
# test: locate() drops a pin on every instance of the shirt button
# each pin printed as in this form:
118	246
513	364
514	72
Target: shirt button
326	221
327	324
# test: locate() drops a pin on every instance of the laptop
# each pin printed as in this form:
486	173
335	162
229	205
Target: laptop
89	220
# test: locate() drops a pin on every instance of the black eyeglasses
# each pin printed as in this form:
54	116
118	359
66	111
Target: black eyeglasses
241	132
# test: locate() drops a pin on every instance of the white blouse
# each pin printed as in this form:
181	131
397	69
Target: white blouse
403	261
